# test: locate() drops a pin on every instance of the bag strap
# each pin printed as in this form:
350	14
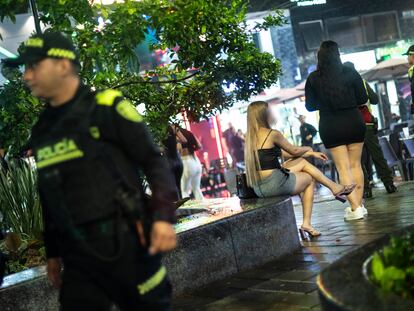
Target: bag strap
268	134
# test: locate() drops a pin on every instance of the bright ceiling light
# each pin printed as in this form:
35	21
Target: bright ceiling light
6	52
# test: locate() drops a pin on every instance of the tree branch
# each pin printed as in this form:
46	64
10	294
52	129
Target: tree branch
156	82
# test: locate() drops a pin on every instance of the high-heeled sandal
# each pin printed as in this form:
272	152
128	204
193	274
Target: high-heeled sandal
347	190
306	233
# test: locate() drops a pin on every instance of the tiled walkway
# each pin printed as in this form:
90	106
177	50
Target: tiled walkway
290	283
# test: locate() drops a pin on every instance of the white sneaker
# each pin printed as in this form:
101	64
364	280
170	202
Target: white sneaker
354	215
365	211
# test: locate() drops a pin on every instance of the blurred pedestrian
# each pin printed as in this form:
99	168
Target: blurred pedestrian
228	137
191	179
337	91
404	107
307	132
237	142
172	146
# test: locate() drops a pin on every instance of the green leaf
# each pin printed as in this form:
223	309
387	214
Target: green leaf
377	267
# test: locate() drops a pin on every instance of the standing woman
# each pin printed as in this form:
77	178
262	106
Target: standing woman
337	91
191	179
172	145
266	175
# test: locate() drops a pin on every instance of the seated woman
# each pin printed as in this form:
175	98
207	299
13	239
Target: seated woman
264	147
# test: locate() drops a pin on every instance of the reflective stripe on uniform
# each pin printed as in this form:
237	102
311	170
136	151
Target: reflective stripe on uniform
94	131
62	151
153	281
107	97
128	111
411	72
60	158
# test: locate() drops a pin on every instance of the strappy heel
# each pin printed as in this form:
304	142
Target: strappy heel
307	234
347	190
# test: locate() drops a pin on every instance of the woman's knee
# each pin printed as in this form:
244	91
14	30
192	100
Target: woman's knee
305	178
356	165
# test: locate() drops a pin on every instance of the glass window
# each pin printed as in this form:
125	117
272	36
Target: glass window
346	31
256	40
381	27
312	33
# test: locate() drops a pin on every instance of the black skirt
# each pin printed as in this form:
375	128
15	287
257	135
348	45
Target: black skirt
343	127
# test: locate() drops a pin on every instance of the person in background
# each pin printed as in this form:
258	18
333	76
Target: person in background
172	147
337	91
404	107
191	179
268	177
307	132
372	148
410	59
237	142
228	135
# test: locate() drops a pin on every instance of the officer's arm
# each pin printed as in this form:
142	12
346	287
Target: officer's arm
373	97
312	130
412	94
49	233
359	88
138	143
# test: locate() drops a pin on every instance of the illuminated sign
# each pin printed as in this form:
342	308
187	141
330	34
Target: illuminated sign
308	2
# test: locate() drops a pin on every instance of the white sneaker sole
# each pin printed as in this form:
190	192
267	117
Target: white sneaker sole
365	211
350	216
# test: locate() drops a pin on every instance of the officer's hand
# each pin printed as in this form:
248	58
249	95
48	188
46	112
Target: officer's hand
54	268
163	238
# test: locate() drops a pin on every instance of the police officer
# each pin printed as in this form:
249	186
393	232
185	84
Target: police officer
372	147
307	132
410	58
90	150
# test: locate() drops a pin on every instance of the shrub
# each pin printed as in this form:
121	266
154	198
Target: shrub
393	268
19	200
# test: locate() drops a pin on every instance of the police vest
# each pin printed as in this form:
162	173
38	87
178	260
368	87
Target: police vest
72	166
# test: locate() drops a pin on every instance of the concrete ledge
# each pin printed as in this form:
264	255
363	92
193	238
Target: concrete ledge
225	236
249	233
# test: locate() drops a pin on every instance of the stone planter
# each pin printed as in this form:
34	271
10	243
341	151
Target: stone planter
233	236
345	284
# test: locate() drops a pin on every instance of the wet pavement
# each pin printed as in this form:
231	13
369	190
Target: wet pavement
290	283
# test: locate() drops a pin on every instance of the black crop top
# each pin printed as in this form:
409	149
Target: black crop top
269	158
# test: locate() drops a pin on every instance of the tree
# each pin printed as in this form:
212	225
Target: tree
208	40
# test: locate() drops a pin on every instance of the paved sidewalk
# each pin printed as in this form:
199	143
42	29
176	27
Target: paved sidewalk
290	283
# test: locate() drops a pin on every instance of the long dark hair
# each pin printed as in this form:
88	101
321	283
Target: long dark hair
331	72
329	59
192	144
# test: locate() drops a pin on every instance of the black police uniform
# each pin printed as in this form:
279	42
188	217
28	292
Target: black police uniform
410	51
307	129
86	151
372	150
